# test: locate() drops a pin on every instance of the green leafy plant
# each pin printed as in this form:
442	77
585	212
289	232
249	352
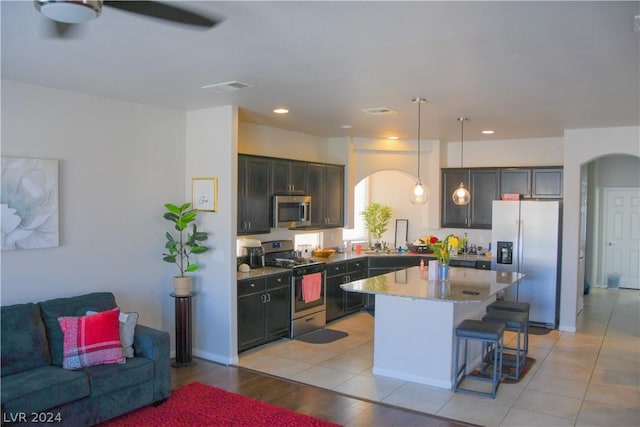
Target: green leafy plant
179	250
376	217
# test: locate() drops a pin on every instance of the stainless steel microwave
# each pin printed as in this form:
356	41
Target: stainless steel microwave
291	211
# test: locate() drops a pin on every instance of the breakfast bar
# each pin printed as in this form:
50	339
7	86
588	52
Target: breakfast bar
415	318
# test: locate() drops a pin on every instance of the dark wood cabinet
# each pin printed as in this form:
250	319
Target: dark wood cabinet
547	183
515	181
254	195
484	185
264	310
532	183
326	187
339	302
288	177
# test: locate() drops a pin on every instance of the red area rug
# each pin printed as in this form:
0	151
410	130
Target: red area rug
197	404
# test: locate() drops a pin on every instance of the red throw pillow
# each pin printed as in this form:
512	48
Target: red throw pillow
91	340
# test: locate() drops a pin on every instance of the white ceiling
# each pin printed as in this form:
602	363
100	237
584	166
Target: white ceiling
525	69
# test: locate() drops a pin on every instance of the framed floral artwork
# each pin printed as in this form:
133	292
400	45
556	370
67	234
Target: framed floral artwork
29	202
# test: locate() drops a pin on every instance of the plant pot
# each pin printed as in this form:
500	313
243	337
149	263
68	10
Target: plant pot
182	285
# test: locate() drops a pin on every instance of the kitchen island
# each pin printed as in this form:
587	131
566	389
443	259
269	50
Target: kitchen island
415	319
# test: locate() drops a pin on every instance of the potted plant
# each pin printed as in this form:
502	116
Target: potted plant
376	217
180	249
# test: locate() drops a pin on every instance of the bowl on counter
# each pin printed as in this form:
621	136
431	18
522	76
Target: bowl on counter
323	253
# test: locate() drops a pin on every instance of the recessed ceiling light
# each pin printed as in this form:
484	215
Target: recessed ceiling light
345	126
488	132
392	137
281	111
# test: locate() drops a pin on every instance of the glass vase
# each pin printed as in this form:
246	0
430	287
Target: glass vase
443	272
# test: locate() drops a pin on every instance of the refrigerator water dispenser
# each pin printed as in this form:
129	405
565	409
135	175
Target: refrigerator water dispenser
505	253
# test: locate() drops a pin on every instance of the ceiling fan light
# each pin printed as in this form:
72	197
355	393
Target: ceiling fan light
461	195
70	12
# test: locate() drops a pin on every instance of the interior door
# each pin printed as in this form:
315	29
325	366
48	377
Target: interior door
622	237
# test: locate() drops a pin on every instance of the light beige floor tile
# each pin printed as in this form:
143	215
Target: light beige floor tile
599	414
364	351
354	365
474	409
419	397
282	367
566	370
517	417
310	355
629	355
614	396
323	377
616	378
369	387
626	366
547	403
251	360
560	386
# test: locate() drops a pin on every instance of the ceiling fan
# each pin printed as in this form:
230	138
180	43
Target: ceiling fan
67	13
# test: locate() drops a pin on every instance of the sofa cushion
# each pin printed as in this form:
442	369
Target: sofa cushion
23	339
74	306
104	379
91	340
42	388
128	323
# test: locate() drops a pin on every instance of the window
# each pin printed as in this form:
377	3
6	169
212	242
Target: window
360	201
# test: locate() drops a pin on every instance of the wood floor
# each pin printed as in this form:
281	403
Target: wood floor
306	399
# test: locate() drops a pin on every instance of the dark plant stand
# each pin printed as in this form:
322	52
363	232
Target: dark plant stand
184	356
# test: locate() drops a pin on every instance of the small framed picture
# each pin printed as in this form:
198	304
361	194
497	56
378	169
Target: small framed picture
205	194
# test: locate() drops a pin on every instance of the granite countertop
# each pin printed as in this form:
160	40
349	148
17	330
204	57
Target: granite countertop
464	285
340	257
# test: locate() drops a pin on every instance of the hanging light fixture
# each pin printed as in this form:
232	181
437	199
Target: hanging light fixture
461	195
420	193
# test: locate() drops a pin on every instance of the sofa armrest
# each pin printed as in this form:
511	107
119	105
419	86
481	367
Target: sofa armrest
155	345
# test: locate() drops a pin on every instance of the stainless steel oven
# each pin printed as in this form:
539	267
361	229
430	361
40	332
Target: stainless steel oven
311	315
308	311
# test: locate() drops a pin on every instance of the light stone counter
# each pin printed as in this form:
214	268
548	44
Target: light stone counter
464	285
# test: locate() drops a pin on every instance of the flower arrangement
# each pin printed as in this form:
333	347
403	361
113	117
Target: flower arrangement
442	248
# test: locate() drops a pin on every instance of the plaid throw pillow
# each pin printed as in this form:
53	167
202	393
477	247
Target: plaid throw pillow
91	340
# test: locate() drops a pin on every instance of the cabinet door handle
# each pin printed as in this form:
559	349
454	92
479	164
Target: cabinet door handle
263	298
268	297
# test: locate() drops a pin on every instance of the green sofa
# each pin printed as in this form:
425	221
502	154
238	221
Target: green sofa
36	389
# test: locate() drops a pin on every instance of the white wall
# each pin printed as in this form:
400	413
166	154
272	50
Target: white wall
582	146
505	152
274	142
119	163
211	151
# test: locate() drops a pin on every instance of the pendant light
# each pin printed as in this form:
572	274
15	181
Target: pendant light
461	195
420	193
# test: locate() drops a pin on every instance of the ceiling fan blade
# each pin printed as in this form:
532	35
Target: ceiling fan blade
165	12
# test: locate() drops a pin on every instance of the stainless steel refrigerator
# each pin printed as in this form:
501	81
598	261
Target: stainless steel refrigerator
525	238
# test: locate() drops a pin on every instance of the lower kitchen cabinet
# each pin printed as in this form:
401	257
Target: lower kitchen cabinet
339	302
264	310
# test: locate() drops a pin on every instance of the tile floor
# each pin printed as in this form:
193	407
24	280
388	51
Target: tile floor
588	378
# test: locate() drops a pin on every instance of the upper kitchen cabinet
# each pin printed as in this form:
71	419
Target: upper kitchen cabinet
516	181
254	195
484	185
546	183
532	183
288	177
326	187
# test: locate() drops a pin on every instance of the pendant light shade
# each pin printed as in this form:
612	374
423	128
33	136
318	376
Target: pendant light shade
461	196
420	193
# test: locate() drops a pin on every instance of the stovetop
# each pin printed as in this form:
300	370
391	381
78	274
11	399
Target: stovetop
291	262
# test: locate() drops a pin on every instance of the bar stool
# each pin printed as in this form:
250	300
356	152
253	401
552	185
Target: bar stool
491	334
523	307
519	323
519	307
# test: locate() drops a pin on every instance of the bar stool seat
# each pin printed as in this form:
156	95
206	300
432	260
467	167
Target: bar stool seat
517	322
491	334
522	307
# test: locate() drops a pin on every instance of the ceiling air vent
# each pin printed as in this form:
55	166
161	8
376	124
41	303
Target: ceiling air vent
227	86
378	110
